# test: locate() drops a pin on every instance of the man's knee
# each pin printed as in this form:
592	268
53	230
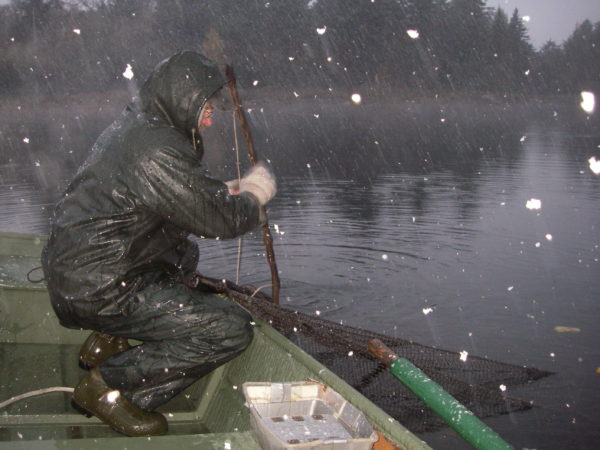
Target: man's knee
238	329
245	327
231	332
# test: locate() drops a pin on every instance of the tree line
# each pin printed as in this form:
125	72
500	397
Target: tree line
56	46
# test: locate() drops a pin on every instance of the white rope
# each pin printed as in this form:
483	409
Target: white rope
237	149
239	173
260	288
35	393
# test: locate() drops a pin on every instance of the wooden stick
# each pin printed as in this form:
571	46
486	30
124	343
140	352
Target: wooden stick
382	352
266	231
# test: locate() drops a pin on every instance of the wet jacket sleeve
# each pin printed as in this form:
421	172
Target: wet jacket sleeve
172	184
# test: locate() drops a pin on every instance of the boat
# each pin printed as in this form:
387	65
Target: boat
37	353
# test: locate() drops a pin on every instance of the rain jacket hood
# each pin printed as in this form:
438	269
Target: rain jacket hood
124	220
178	88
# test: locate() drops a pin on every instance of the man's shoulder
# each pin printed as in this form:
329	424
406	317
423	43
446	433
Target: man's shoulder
148	137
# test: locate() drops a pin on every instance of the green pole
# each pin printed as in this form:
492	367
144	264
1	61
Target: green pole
463	421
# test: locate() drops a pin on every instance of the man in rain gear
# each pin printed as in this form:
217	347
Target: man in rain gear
118	250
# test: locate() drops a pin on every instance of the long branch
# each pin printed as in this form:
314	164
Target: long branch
266	231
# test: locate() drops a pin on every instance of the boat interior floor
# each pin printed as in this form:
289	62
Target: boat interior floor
39	366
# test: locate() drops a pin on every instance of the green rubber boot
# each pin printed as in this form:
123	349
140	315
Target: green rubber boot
98	347
94	397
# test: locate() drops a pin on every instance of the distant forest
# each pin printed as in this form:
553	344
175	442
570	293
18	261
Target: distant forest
72	46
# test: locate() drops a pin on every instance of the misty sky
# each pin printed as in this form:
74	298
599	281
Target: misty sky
551	19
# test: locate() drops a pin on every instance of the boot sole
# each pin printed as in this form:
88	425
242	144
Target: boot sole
76	406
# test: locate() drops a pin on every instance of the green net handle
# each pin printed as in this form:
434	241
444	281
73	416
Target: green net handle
463	421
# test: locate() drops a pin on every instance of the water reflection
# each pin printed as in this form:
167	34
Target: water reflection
25	207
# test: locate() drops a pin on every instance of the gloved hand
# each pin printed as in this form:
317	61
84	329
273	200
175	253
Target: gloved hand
259	180
233	186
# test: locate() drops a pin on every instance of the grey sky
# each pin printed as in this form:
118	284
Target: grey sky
551	19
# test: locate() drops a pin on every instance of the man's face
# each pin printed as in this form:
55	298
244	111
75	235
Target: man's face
206	120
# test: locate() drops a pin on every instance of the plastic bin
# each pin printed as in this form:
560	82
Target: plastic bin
306	415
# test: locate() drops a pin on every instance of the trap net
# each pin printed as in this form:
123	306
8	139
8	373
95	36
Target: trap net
344	350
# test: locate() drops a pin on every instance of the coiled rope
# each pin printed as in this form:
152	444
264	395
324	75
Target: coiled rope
35	393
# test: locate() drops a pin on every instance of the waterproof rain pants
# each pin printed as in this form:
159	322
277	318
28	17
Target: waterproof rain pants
186	333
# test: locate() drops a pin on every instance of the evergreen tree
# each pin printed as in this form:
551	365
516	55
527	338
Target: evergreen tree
499	59
550	75
582	55
462	45
520	51
466	34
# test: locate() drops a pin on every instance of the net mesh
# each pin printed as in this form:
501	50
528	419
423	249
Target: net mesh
344	350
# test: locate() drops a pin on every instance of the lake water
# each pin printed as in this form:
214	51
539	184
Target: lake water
472	226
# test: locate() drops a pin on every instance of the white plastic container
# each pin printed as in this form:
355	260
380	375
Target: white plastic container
306	415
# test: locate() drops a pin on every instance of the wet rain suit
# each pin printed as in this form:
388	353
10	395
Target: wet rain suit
119	240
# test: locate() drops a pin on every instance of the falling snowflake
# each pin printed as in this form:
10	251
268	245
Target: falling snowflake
502	387
255	83
427	310
356	98
413	34
464	355
594	165
588	101
128	72
322	31
76	31
26	140
533	203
